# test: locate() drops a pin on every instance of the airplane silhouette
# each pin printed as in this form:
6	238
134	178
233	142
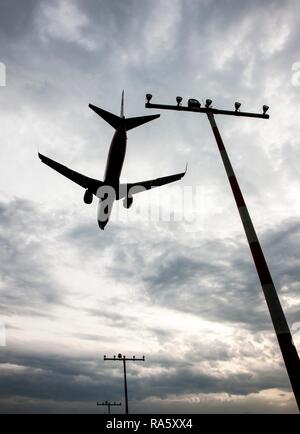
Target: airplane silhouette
110	189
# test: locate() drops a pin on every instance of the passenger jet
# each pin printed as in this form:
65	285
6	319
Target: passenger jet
110	188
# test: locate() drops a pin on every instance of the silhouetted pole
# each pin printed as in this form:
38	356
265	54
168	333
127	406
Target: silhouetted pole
125	359
280	324
125	385
288	349
109	404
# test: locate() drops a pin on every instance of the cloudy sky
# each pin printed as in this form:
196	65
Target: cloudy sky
172	278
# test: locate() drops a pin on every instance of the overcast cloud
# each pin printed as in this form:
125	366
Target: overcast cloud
183	293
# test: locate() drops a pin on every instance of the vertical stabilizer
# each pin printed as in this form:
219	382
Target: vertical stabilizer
122	106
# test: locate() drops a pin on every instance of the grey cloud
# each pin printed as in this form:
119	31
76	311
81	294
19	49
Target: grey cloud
134	45
215	279
55	377
188	381
192	279
28	287
184	277
45	377
113	318
15	20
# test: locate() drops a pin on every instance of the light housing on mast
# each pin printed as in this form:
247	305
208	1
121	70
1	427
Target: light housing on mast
193	103
178	99
148	97
265	109
208	103
237	105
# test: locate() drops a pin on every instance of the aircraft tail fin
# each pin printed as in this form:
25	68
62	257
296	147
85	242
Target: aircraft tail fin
122	106
116	121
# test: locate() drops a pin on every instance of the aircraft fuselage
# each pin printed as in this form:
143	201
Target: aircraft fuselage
114	164
116	156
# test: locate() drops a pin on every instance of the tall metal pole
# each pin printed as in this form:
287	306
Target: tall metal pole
125	386
284	337
280	324
124	359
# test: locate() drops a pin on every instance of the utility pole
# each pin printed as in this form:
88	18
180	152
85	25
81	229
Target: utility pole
284	337
125	359
109	404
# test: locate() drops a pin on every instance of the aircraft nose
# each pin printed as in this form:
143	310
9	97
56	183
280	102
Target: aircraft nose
102	224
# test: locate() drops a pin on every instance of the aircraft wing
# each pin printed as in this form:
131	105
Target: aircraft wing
82	180
138	187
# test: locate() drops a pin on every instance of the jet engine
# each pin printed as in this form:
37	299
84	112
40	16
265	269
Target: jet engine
88	197
127	202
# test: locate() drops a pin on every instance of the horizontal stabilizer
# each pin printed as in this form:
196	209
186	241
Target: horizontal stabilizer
110	118
131	123
116	121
